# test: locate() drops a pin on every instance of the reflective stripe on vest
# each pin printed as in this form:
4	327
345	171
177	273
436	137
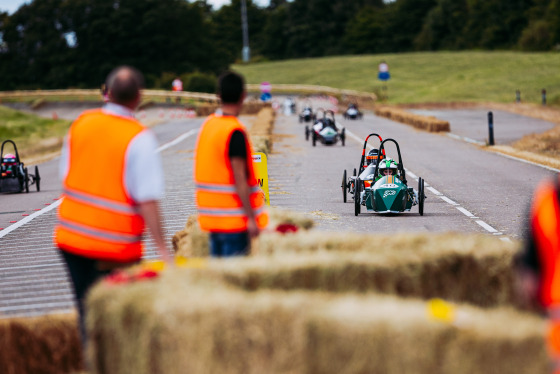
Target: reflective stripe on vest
220	208
225	188
100	234
100	202
97	217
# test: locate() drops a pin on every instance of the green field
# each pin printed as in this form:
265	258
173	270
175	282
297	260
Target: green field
425	77
32	134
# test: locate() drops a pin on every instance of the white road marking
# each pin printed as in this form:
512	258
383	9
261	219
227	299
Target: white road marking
464	138
434	191
528	162
465	212
448	200
481	223
30	218
486	226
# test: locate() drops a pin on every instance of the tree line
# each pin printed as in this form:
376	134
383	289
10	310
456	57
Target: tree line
75	43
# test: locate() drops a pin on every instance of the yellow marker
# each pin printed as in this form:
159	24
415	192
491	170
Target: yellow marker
261	172
183	262
441	310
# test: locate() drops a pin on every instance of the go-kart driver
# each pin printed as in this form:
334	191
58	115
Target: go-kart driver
371	160
387	166
8	165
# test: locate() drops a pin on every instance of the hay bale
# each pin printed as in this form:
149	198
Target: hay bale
47	344
427	123
468	268
193	242
191	321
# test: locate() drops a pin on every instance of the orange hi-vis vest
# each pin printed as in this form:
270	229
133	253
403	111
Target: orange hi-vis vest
545	227
219	207
97	218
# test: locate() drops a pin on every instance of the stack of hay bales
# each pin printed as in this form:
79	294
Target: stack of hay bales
261	131
312	303
426	123
41	345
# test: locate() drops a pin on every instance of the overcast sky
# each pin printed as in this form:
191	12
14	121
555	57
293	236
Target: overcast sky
12	5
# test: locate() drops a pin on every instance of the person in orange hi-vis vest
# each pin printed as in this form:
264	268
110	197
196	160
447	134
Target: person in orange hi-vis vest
229	201
107	199
538	265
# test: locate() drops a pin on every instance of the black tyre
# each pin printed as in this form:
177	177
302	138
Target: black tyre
314	138
421	196
357	205
343	137
306	132
37	179
26	180
355	172
344	188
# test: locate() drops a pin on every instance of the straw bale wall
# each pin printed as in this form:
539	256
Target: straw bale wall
261	130
194	321
40	345
249	108
427	123
464	268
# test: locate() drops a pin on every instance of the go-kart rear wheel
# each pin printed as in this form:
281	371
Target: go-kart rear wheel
344	179
314	138
421	196
343	137
26	180
306	132
357	205
37	178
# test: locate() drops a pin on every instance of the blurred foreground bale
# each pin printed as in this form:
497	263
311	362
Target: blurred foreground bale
194	321
426	123
48	344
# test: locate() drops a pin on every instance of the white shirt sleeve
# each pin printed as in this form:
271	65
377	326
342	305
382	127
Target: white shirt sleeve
143	176
64	162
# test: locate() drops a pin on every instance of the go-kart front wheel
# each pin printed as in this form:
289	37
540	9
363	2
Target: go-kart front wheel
37	178
344	186
421	196
313	138
343	136
26	180
306	132
357	205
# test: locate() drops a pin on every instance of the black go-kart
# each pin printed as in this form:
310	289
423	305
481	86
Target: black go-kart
14	176
306	115
352	112
325	130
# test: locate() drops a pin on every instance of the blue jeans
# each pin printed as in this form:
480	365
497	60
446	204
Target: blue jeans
229	244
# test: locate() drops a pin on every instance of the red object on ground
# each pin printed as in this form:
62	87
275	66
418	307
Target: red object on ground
284	228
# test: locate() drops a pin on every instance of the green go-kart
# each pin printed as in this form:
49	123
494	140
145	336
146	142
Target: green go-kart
390	193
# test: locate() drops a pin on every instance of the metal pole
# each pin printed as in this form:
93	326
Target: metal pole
246	52
490	128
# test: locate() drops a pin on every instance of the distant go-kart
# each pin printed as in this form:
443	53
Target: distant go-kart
352	112
14	177
365	170
325	130
306	114
389	193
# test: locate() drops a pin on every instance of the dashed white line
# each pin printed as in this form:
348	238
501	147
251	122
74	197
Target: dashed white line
448	200
486	226
465	212
434	191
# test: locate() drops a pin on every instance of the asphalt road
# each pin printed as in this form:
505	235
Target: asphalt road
463	179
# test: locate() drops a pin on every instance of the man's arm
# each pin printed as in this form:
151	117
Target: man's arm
151	214
238	164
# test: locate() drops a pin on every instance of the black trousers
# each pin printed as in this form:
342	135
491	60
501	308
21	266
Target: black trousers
84	272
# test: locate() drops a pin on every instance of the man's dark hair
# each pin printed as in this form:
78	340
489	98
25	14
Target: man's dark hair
124	83
230	87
